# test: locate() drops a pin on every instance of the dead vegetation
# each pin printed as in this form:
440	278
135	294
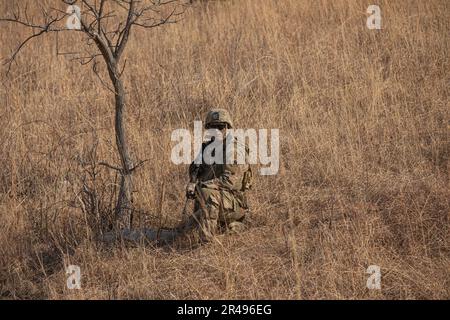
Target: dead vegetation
363	119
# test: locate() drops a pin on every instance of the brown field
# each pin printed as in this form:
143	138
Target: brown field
364	146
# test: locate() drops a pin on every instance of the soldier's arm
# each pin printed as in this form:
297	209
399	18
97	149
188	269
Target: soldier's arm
195	168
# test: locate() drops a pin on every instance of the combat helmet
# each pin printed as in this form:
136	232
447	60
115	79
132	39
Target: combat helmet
218	117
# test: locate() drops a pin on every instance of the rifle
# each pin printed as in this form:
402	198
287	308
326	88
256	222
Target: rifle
194	175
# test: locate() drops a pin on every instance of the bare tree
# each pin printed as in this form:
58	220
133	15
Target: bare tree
106	25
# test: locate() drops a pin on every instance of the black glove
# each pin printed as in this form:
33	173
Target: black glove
190	190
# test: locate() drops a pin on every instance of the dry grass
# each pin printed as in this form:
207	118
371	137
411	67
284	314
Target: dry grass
363	118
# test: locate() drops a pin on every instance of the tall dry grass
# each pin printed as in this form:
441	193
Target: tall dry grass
363	119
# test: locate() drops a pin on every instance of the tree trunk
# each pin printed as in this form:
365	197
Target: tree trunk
124	200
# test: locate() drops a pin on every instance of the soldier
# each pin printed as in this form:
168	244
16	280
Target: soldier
218	188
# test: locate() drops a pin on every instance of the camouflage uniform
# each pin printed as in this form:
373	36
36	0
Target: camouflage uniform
220	202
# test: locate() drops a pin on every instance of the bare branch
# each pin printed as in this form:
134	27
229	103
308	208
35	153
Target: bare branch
94	68
100	12
151	22
43	29
139	164
105	164
124	34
